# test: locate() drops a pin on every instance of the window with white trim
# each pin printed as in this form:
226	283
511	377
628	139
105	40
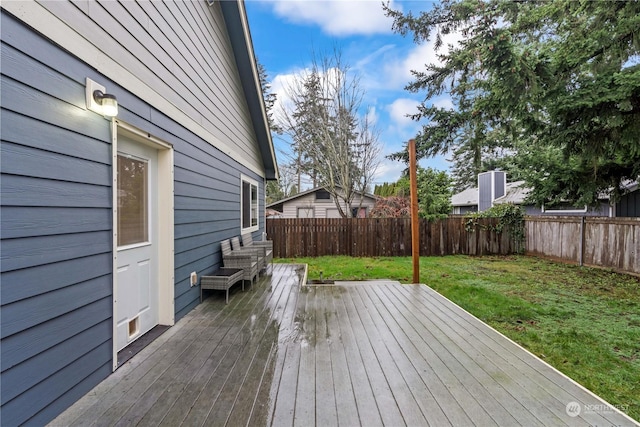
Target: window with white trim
564	208
248	204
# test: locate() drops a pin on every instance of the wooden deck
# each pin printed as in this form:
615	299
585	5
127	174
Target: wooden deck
375	353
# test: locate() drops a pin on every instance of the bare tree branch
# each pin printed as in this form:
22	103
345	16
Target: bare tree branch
333	142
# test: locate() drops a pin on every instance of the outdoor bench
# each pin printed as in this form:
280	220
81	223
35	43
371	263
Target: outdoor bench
222	279
247	261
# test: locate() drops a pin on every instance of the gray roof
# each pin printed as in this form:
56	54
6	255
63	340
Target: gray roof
516	193
468	197
313	190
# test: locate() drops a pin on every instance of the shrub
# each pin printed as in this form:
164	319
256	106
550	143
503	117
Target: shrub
511	220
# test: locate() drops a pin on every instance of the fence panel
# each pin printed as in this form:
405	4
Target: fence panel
384	237
595	241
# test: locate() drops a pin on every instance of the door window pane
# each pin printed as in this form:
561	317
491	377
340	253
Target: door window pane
132	201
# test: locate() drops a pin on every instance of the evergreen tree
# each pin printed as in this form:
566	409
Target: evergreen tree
558	81
434	193
268	96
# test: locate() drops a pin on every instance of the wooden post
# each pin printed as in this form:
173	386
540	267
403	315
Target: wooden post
581	254
415	230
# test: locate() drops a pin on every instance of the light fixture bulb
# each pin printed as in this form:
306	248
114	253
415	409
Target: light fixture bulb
108	102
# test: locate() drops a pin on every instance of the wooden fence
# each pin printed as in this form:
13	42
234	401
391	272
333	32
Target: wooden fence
302	237
595	241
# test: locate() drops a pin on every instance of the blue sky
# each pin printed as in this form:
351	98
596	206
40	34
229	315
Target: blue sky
285	34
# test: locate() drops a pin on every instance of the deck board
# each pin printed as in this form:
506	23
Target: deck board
245	378
285	384
304	401
374	353
383	395
390	358
367	407
325	387
502	407
345	397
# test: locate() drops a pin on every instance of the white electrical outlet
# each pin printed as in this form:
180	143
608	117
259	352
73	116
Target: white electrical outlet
194	279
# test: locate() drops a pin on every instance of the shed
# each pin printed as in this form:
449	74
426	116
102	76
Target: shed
319	203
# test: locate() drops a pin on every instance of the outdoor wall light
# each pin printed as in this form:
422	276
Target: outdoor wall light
99	101
108	102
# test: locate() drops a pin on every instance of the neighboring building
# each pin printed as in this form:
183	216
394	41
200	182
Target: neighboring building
104	220
318	203
629	203
494	189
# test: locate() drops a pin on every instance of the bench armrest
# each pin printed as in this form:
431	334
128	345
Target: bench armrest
266	243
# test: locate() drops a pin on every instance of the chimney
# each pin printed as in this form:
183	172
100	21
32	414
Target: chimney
491	185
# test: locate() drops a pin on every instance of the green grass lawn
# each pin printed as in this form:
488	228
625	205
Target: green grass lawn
583	321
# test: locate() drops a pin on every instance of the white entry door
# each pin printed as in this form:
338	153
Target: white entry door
137	297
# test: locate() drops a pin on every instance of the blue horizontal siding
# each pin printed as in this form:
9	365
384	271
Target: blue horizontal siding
27	161
40	77
19	98
204	217
26	313
33	341
32	46
185	231
56	219
38	368
191	170
56	222
28	282
18	410
187	189
29	191
186	258
187	302
33	251
193	242
198	203
29	132
26	221
204	181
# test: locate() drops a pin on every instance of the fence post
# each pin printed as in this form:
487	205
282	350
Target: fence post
581	260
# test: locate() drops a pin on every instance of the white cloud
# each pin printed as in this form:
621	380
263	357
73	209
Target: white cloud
337	17
388	171
399	109
376	56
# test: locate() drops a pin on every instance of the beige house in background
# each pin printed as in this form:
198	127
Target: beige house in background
318	203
